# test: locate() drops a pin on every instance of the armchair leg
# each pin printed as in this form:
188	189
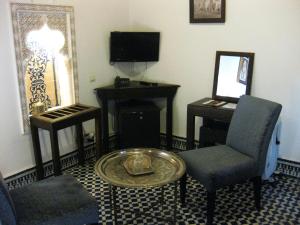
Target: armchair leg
183	189
257	191
211	199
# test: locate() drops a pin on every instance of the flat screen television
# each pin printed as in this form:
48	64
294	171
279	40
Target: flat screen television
134	46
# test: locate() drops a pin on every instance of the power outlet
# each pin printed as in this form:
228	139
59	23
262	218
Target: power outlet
92	78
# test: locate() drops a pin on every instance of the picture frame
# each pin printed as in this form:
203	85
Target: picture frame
207	11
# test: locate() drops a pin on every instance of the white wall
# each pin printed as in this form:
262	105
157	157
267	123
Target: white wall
270	28
94	19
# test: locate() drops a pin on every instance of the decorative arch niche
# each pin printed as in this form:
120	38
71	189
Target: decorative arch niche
44	38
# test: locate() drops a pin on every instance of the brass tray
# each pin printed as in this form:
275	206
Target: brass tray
167	168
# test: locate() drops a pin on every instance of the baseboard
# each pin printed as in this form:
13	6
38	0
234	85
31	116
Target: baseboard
69	160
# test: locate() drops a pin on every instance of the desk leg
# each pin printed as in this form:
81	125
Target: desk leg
105	125
98	135
169	125
190	130
175	203
55	152
114	198
37	152
79	139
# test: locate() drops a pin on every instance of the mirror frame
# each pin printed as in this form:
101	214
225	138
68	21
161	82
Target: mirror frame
249	55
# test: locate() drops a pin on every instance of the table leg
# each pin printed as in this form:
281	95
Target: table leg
105	125
98	135
37	152
114	204
162	195
110	201
162	199
79	139
55	152
169	124
175	203
190	130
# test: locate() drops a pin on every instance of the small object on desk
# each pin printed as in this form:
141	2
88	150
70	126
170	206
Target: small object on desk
38	108
214	103
145	83
122	82
229	106
138	164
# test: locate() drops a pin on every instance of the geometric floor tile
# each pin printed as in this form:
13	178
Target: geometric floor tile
280	202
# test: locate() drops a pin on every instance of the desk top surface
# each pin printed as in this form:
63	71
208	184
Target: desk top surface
200	103
137	85
220	113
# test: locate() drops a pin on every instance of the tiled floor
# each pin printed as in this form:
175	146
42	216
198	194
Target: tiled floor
281	202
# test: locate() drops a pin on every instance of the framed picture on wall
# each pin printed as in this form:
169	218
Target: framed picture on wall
207	11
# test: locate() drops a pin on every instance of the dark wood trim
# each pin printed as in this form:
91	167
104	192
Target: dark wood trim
98	135
257	191
37	152
79	140
183	189
211	201
55	152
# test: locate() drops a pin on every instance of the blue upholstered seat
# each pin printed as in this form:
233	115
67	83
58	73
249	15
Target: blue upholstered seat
218	166
7	209
244	155
54	201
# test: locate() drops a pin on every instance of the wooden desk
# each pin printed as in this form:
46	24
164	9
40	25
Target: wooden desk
207	113
59	119
137	90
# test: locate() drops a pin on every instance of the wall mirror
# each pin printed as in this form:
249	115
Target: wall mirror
44	37
233	75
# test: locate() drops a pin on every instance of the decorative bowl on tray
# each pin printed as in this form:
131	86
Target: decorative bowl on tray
138	164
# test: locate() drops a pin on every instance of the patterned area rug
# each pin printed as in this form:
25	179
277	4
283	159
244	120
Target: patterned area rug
280	202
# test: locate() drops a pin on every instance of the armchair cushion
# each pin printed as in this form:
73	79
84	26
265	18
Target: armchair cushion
251	128
7	209
52	202
218	166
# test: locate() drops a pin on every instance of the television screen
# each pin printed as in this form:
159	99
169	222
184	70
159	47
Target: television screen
134	46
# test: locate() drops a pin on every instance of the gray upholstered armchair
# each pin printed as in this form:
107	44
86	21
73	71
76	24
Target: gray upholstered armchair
54	201
242	158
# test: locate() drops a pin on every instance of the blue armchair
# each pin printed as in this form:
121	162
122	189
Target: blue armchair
54	201
242	158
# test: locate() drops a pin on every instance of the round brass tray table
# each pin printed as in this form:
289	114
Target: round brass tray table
166	168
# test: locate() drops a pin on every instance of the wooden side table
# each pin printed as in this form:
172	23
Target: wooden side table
207	113
137	90
60	119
